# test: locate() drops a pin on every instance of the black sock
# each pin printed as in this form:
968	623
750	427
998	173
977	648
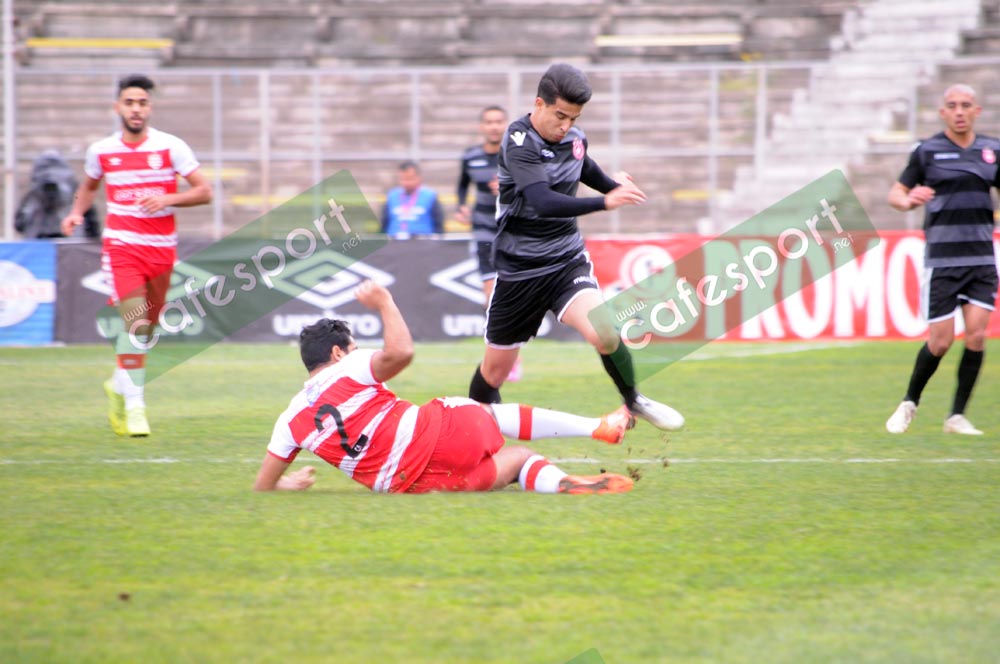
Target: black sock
925	366
968	372
481	391
619	366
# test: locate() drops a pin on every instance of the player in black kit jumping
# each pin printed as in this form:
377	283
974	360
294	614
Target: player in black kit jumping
539	254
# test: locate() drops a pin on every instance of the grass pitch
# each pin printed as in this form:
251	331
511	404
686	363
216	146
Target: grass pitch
783	525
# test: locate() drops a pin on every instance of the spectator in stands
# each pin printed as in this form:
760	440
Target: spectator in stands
411	209
40	213
951	174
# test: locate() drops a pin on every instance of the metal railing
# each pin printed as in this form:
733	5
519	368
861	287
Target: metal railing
711	93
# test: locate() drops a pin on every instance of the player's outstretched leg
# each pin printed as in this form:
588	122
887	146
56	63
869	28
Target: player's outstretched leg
536	473
531	423
618	364
540	475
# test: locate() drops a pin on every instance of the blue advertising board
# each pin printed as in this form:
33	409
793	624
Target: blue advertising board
27	292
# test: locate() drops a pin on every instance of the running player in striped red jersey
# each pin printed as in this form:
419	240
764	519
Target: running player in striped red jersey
140	166
347	416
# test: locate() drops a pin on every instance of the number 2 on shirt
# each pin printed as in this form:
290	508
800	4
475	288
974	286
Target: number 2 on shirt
321	420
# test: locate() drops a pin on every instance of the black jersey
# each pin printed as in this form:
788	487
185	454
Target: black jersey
958	221
479	167
528	245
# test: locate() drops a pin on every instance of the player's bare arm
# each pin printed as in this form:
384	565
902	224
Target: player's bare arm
199	193
903	198
82	201
272	476
397	349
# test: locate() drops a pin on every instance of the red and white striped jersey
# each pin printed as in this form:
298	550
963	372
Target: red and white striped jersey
136	171
352	421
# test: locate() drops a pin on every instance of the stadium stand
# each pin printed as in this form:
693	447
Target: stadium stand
60	35
853	99
306	88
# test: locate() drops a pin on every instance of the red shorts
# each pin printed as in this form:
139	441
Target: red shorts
138	272
462	459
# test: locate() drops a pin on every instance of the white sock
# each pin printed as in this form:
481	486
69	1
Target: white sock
530	423
134	394
539	475
129	381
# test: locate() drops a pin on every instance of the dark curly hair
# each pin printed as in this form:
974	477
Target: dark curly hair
316	341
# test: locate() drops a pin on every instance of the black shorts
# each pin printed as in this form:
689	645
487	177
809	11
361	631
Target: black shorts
484	252
517	308
947	288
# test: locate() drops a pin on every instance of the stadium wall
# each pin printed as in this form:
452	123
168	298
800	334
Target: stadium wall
877	297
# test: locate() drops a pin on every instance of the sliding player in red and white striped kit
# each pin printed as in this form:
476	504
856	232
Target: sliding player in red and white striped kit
348	417
140	166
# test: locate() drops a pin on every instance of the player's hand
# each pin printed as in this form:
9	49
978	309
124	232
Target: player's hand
300	480
462	214
920	196
621	177
154	204
495	186
626	194
372	295
70	222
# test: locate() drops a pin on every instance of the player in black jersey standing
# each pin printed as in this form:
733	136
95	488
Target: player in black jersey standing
951	174
539	254
479	168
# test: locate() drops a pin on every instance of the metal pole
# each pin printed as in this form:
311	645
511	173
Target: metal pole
9	110
513	93
317	153
217	155
264	98
317	127
760	124
912	217
713	147
616	138
415	116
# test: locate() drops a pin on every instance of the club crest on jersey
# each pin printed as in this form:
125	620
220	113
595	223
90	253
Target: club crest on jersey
578	148
989	156
155	161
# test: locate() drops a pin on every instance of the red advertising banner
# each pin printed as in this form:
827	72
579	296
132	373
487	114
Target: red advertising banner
875	297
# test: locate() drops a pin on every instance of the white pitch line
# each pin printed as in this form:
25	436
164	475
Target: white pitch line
586	460
719	351
780	460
